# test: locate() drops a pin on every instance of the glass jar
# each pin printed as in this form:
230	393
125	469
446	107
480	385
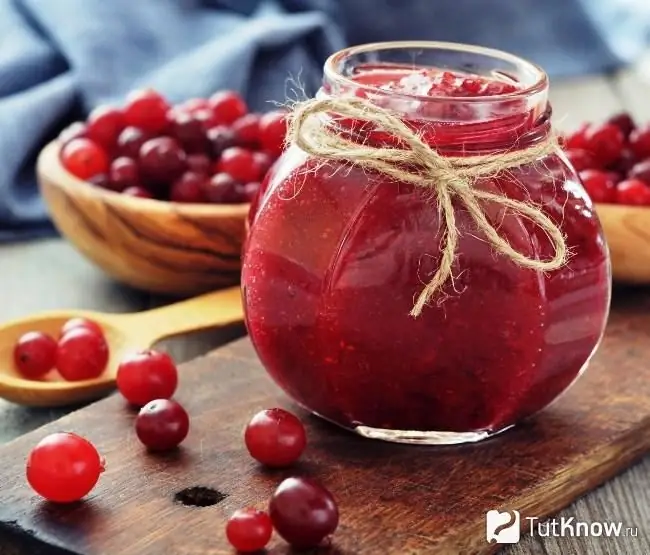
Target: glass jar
336	256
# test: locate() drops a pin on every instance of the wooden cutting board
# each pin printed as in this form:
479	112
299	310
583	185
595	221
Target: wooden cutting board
394	499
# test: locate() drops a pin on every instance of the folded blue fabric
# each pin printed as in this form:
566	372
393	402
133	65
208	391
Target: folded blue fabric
60	59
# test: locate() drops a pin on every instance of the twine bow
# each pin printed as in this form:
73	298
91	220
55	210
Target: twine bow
417	163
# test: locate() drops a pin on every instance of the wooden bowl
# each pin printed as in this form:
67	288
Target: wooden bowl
161	247
627	230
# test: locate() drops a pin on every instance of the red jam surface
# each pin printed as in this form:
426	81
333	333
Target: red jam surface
336	257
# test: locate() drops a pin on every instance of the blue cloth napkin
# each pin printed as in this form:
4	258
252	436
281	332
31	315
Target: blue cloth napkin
58	59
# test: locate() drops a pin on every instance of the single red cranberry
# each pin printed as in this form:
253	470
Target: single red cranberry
303	512
83	158
263	162
250	190
633	192
162	160
249	530
188	188
123	173
247	130
605	142
273	131
624	163
35	354
145	376
581	159
76	130
599	185
199	163
162	424
239	163
640	142
130	141
105	123
220	139
100	180
63	467
641	171
82	355
624	122
227	107
275	437
577	139
207	118
76	323
147	110
138	192
223	189
188	130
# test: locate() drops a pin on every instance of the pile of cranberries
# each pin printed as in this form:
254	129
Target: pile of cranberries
201	151
612	159
64	467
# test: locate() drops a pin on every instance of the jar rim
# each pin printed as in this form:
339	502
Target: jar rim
332	63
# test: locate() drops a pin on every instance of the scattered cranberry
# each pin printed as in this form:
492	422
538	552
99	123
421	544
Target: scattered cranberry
194	105
223	189
199	163
220	139
147	110
247	130
83	158
123	173
137	192
640	142
105	123
303	512
624	164
273	131
249	530
63	467
641	171
162	424
577	139
161	160
76	130
76	323
188	130
146	376
624	122
581	159
188	188
275	437
605	142
130	141
599	185
82	355
239	164
633	192
35	354
227	107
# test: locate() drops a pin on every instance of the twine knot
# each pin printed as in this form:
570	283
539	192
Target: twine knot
449	178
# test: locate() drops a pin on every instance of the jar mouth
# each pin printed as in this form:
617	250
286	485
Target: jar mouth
531	78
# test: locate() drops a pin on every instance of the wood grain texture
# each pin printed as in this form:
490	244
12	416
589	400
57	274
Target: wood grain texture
394	499
159	247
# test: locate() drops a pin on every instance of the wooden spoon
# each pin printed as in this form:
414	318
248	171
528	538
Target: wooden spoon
125	333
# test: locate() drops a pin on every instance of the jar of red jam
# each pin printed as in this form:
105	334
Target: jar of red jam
337	255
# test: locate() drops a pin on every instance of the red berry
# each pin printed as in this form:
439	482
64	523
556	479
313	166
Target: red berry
247	130
83	158
123	174
130	141
105	123
633	192
82	355
263	162
137	192
273	131
162	160
223	189
303	512
581	159
624	122
220	139
188	188
194	105
249	530
599	185
275	437
63	467
640	142
146	376
625	161
605	142
76	130
239	164
199	163
227	107
35	354
250	190
641	171
147	110
162	424
76	323
577	139
188	130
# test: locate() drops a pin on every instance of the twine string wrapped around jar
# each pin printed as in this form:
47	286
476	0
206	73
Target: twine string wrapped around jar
448	178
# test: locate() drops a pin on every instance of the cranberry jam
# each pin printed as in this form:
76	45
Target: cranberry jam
336	256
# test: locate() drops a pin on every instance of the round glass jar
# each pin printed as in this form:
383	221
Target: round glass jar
336	256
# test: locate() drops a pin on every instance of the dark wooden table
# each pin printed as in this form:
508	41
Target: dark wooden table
50	274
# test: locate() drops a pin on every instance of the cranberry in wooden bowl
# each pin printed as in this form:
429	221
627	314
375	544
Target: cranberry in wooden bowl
337	255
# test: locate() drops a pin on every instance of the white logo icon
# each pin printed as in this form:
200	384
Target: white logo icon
502	527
